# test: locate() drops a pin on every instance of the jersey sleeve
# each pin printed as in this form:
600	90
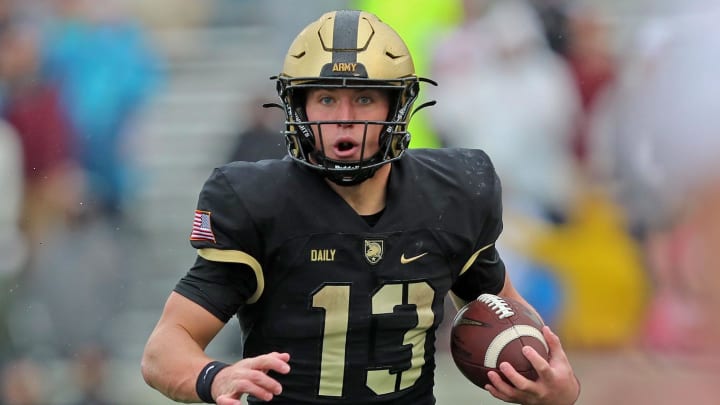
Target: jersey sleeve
220	288
485	271
226	273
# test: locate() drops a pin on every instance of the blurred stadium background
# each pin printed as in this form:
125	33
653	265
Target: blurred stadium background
602	118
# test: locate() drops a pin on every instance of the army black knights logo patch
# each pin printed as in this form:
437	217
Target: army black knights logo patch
373	251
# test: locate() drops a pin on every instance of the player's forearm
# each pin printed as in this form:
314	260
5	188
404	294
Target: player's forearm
171	363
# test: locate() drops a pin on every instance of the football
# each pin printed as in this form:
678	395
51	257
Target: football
491	330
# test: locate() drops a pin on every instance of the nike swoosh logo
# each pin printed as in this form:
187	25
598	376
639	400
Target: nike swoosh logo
406	260
208	371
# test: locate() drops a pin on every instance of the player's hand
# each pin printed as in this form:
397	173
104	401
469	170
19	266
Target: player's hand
249	376
556	383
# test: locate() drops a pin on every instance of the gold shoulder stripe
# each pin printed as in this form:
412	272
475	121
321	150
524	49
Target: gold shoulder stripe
473	258
236	256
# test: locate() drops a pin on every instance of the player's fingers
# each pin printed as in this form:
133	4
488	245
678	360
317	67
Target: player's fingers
272	361
504	390
553	341
518	380
541	366
282	356
227	400
558	358
264	382
257	384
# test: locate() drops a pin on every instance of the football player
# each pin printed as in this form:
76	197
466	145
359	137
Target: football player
337	259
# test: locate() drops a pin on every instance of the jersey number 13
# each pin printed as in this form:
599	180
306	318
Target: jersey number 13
335	300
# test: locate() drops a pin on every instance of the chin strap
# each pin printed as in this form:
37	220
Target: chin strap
345	173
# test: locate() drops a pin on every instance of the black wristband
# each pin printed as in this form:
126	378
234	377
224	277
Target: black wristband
205	380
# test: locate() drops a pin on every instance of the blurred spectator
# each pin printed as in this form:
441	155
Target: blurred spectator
106	70
33	107
657	141
592	63
262	138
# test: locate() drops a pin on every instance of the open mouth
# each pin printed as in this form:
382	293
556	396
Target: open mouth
345	146
345	149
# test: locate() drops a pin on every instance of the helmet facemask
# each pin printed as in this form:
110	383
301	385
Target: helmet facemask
347	49
301	133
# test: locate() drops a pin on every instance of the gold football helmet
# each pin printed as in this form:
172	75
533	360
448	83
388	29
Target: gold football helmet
345	49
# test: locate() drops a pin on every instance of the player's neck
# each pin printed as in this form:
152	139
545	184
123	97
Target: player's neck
368	197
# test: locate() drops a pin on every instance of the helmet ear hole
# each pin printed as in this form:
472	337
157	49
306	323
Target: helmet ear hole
293	146
399	144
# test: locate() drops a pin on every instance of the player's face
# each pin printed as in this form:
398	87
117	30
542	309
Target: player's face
344	141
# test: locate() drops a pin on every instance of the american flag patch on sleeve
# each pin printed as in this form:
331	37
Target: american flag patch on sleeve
201	229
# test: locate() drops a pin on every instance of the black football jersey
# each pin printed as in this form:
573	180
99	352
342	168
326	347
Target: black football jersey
356	306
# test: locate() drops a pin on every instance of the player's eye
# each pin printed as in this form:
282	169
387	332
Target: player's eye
325	100
364	100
